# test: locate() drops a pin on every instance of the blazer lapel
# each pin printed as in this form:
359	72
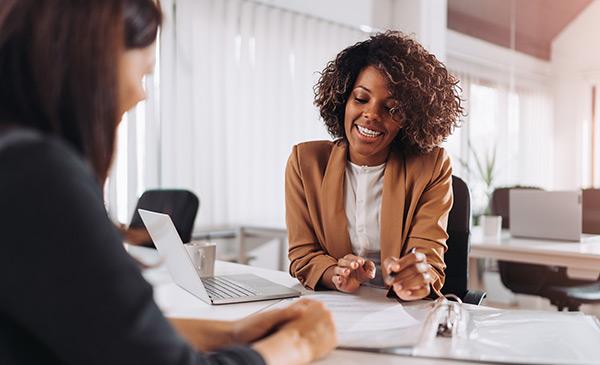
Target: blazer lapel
392	206
335	226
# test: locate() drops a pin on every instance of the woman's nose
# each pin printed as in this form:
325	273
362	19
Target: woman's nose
371	113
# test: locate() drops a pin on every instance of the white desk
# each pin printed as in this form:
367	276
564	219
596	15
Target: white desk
582	259
176	302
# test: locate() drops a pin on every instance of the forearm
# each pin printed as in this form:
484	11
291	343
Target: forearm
308	262
205	335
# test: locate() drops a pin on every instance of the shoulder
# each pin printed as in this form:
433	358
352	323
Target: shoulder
436	157
429	165
315	148
313	153
42	163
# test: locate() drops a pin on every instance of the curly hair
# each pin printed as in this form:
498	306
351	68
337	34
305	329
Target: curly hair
428	96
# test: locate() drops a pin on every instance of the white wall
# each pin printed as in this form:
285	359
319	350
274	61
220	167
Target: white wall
576	66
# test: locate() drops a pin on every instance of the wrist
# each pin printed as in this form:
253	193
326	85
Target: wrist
327	278
284	347
233	332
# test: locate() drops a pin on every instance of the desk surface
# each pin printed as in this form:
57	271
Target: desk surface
581	256
176	302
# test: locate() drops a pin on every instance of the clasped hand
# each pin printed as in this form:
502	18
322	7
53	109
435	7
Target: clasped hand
351	271
409	276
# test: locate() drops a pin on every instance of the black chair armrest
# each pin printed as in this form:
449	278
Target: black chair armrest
474	297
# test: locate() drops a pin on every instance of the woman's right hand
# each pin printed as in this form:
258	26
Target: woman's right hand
309	336
350	272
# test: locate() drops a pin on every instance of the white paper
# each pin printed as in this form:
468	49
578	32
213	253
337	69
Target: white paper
368	318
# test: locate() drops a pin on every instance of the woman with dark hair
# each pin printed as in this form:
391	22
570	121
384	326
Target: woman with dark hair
372	206
69	69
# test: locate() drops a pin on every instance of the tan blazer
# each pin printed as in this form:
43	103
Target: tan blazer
417	196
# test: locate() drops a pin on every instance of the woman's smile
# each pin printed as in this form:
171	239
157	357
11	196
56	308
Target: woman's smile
369	134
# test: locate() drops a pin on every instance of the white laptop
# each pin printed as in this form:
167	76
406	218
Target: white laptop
555	215
223	289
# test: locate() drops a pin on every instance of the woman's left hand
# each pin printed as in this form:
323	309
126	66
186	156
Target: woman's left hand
257	326
409	276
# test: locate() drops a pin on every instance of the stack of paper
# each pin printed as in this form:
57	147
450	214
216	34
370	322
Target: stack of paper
368	319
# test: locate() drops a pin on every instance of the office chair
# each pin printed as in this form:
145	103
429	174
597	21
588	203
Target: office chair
550	282
574	293
457	255
590	199
518	277
180	205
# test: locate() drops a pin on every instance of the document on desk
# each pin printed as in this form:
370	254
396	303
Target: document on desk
368	319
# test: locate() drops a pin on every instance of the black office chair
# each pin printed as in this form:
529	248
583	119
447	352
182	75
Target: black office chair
572	294
550	282
459	246
180	205
518	277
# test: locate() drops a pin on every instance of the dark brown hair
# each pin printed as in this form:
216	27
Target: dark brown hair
428	100
58	66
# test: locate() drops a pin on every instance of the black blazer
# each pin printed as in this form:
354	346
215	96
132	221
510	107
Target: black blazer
70	294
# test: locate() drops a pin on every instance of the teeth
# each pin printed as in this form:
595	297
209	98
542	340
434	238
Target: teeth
368	132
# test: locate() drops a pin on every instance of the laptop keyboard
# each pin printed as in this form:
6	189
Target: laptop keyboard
223	288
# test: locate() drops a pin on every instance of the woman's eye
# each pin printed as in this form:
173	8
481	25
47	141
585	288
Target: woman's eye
360	100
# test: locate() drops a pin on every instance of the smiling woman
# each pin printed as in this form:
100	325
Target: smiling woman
372	206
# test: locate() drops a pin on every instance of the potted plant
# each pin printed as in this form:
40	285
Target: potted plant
485	171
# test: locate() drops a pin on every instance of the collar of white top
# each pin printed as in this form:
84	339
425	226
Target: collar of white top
369	169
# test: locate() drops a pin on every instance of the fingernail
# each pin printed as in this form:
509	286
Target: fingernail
398	286
422	267
354	265
346	271
396	267
427	277
420	256
408	292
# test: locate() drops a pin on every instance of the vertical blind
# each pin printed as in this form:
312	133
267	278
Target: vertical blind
232	93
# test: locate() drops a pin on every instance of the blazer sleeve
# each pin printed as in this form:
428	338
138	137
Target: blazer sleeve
308	260
428	231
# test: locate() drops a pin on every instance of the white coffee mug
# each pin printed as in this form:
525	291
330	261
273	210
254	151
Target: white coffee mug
203	255
492	226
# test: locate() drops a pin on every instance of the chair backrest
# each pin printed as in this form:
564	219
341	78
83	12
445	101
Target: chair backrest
180	205
520	278
459	230
591	211
500	202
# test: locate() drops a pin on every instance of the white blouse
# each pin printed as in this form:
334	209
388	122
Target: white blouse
364	186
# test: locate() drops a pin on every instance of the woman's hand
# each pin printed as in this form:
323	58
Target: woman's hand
134	236
306	338
257	326
409	276
350	272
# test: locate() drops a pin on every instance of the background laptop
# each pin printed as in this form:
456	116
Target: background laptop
223	289
555	215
